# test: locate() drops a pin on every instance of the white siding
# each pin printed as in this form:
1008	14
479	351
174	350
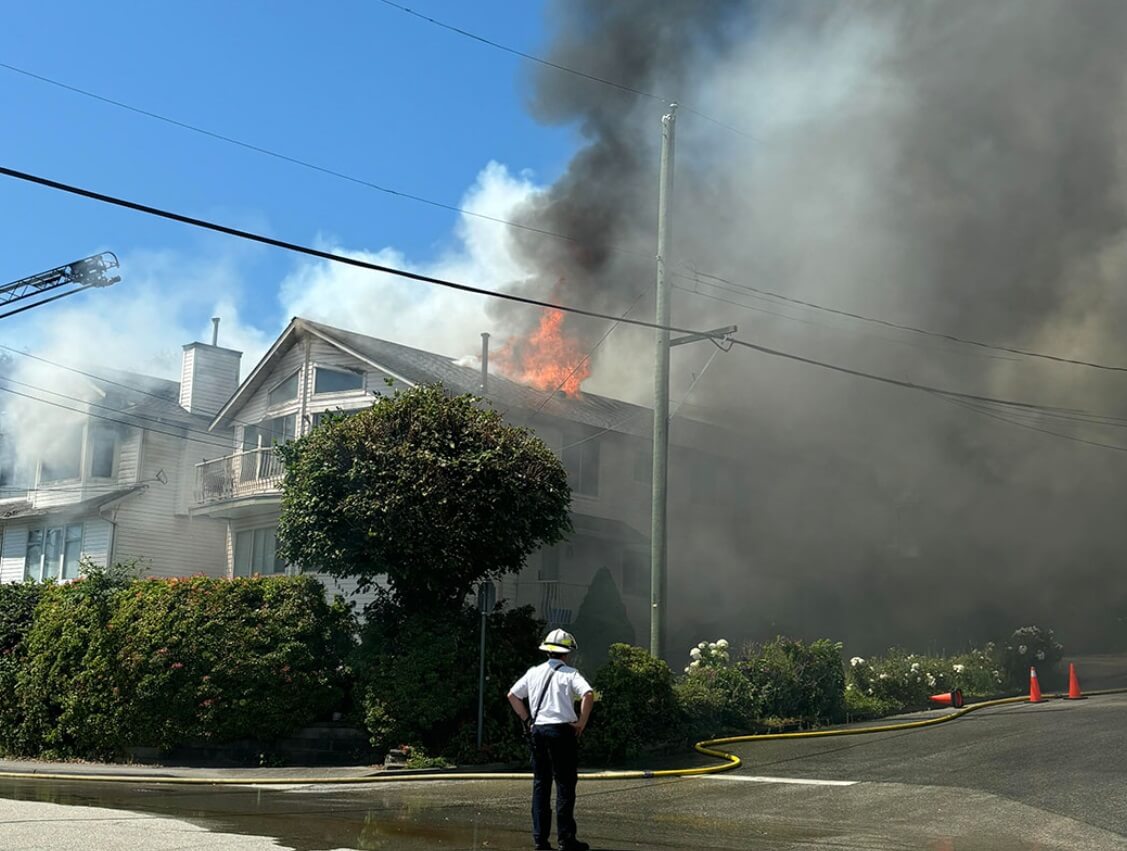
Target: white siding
128	455
150	530
96	540
13	553
255	408
208	377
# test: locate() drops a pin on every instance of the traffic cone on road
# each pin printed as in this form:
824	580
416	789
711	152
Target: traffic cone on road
951	698
1034	687
1073	684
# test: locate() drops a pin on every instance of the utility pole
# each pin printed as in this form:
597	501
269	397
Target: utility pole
719	337
661	394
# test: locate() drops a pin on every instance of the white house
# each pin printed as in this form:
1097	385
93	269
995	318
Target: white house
111	471
314	368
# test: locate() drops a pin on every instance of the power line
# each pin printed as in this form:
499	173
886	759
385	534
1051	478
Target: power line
292	160
558	67
994	416
205	437
101	378
551	394
326	255
953	338
461	287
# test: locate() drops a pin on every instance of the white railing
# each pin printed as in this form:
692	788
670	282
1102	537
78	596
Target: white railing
254	471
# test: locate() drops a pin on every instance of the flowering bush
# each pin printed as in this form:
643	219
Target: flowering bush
902	681
708	654
1029	647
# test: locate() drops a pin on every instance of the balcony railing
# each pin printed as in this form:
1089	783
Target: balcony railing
255	471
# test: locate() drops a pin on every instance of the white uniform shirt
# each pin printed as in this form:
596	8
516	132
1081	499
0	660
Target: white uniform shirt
565	687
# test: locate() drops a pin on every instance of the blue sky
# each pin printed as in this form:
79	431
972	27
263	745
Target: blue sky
367	90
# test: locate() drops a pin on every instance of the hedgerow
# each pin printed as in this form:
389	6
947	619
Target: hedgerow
108	662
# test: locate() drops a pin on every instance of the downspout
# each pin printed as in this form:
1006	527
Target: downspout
301	429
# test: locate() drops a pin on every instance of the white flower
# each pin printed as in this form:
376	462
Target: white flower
695	663
703	645
884	676
959	668
916	666
695	653
931	681
1041	655
1021	648
855	661
722	644
998	676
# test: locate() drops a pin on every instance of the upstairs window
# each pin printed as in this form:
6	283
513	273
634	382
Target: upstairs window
336	380
276	430
63	460
285	391
581	460
103	448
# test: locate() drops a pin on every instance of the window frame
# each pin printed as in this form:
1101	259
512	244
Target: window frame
259	535
273	403
342	371
42	464
93	433
65	536
585	447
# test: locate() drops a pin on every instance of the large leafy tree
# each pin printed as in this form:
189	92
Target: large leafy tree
434	491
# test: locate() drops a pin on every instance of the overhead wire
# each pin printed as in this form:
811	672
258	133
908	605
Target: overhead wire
100	378
587	357
205	437
513	297
953	338
575	72
307	164
41	302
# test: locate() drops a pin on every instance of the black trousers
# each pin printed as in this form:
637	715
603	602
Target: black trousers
555	756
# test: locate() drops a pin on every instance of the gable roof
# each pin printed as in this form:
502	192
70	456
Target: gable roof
416	366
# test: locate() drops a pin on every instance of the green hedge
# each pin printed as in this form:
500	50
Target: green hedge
109	663
797	681
417	678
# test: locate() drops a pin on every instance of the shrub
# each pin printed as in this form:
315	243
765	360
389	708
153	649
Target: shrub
636	707
793	680
223	660
1028	647
708	654
716	701
17	606
113	662
418	676
901	681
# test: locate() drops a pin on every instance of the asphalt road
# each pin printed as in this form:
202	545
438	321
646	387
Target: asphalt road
1050	776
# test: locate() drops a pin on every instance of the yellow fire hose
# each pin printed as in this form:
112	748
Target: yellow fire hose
705	747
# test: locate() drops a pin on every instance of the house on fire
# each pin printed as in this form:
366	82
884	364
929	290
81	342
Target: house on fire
183	476
103	467
312	369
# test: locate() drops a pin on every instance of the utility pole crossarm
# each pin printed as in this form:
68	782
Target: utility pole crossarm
717	335
87	272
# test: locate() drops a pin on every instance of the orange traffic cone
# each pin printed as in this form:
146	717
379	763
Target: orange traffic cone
951	698
1073	684
1034	687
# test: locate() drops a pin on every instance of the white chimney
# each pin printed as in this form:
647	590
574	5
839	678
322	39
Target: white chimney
209	376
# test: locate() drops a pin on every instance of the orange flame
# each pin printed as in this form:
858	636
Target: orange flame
547	359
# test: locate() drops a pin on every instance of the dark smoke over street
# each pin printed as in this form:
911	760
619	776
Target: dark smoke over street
957	167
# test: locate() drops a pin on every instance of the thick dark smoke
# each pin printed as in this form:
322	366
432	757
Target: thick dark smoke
955	165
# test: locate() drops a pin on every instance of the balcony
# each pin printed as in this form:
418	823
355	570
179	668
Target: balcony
250	473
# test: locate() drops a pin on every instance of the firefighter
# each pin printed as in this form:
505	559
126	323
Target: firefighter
554	730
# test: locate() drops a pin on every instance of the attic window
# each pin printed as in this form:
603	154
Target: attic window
336	380
285	391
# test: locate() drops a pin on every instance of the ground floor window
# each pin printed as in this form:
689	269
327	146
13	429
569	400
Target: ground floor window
256	552
53	553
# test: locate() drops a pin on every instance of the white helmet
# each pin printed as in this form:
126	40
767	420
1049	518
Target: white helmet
559	641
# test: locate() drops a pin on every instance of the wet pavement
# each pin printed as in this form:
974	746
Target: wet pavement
1051	776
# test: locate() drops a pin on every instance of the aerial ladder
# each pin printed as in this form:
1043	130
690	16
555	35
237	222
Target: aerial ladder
84	274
